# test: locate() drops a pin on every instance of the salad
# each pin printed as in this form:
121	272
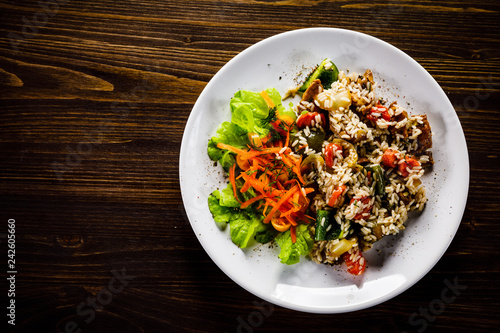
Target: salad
325	178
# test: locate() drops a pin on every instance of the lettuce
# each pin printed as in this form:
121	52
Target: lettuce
244	225
265	233
220	213
251	112
227	198
230	134
291	252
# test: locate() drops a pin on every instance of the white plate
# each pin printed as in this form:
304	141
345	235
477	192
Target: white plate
396	263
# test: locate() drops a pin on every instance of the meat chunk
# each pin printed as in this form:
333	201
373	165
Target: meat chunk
425	138
365	81
313	90
403	130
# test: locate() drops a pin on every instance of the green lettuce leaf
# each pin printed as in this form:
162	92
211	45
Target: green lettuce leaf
220	213
227	198
244	224
291	252
230	134
227	160
265	233
250	111
250	114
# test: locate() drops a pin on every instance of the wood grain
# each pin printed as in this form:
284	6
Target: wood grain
94	100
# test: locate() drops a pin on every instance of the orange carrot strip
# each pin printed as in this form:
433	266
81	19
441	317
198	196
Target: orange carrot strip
235	150
268	99
308	190
300	216
245	186
261	186
289	218
284	198
266	206
233	181
253	153
295	201
253	169
288	182
297	171
293	234
288	162
252	200
310	218
286	209
294	166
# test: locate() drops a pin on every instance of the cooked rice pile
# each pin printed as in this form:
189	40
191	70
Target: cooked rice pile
348	103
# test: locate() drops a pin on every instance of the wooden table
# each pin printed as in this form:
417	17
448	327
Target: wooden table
90	152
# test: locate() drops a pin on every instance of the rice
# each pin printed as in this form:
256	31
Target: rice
363	215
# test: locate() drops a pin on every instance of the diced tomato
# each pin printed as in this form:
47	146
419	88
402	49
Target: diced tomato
365	212
390	158
331	150
377	112
409	163
282	124
306	119
355	267
336	197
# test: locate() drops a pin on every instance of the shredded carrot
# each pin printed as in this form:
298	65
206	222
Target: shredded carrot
268	99
295	201
266	206
235	150
269	168
233	181
245	186
309	217
291	181
287	141
253	153
252	200
261	186
253	173
284	198
297	170
308	190
289	217
293	234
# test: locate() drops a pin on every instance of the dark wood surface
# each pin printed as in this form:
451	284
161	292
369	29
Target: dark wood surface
94	99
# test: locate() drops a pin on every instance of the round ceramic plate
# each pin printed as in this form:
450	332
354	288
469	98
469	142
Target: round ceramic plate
396	262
